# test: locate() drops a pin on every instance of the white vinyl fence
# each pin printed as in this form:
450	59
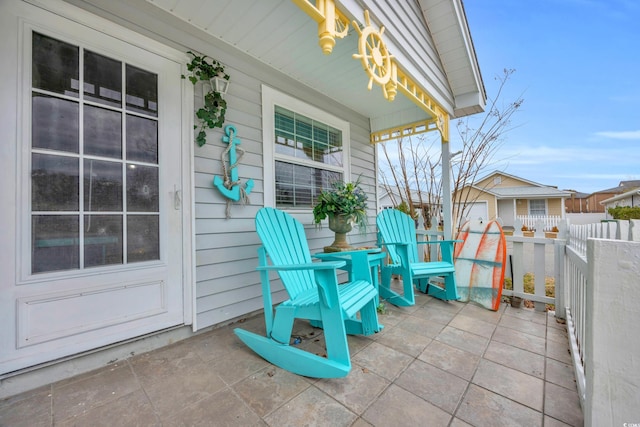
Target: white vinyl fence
601	292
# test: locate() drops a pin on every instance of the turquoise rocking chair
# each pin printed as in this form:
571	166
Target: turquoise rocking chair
314	294
397	233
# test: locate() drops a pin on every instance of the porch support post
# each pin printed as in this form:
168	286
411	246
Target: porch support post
446	191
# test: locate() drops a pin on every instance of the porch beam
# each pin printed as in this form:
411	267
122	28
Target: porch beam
402	131
332	24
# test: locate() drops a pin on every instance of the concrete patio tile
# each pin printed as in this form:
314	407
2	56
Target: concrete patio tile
238	365
382	360
473	325
133	409
529	314
563	404
463	340
457	422
449	306
398	407
221	409
29	409
515	385
561	374
453	360
304	410
78	397
391	317
421	326
268	389
483	408
358	342
172	392
402	340
217	344
557	335
559	351
554	322
157	364
361	423
552	422
526	326
432	313
520	340
481	313
434	385
357	391
516	358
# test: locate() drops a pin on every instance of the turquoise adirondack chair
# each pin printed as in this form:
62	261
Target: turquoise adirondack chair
314	294
397	233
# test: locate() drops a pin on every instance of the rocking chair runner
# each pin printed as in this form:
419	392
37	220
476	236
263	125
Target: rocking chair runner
314	294
397	233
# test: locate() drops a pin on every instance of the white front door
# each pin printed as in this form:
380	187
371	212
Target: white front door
99	232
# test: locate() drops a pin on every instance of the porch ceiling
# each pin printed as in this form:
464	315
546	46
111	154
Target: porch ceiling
278	33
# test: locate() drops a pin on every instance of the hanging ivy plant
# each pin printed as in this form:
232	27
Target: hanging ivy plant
211	115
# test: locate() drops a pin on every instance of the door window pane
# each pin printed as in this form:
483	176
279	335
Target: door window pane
54	183
102	79
60	153
102	240
102	132
55	244
142	139
142	91
54	65
102	186
142	188
54	124
142	238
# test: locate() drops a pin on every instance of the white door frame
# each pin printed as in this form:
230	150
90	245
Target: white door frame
16	18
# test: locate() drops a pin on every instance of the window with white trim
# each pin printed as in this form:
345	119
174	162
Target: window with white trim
306	149
537	207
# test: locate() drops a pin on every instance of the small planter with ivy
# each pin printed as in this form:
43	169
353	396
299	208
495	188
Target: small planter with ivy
211	114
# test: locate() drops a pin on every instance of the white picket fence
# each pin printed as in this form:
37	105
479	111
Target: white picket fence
533	222
600	293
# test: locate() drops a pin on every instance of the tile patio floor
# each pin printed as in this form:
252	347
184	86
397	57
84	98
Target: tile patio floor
435	364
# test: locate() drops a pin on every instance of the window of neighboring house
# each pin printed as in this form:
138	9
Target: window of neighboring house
537	207
94	159
497	180
305	151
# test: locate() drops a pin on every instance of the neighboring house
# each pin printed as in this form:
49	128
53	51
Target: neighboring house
389	197
112	229
500	195
595	200
630	198
576	203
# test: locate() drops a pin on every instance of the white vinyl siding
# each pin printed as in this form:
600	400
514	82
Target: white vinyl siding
228	285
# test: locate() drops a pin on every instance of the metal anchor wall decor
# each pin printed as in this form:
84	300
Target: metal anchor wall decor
230	185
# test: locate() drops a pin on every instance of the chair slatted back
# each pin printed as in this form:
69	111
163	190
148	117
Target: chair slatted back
285	241
397	227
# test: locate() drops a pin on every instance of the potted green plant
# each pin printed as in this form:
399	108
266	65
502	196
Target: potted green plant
345	204
211	114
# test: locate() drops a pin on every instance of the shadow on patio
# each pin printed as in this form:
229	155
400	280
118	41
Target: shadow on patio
435	364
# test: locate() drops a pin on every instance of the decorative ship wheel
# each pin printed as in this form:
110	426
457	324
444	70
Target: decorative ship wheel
375	58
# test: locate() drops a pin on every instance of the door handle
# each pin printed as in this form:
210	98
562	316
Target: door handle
177	202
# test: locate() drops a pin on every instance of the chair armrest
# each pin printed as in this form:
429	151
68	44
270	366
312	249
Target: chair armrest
430	242
327	265
395	243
